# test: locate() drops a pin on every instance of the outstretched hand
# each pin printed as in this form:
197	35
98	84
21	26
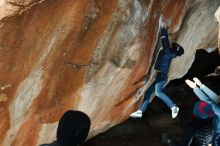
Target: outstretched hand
190	84
162	22
197	81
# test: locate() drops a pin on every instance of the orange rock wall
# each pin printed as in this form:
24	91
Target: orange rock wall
57	55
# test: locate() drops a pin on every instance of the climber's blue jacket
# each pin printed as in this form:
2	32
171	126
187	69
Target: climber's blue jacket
165	55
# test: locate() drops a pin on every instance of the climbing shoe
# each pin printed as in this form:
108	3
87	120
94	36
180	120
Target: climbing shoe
137	114
175	111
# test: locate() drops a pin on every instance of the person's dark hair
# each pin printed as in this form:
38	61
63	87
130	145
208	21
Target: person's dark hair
73	128
177	49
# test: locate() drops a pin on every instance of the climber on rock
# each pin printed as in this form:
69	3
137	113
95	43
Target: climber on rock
73	129
199	129
162	66
207	95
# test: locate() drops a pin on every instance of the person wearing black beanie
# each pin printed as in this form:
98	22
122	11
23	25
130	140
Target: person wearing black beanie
73	129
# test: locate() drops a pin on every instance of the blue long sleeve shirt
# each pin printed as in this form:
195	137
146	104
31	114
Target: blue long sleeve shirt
165	55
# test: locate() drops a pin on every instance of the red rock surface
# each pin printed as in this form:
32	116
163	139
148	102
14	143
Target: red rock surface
86	55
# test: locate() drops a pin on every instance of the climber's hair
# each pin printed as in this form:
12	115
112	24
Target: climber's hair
177	49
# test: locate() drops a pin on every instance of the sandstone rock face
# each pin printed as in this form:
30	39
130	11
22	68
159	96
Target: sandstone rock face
87	55
217	16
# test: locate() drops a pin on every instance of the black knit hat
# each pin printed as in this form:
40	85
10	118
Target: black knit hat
73	128
177	49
